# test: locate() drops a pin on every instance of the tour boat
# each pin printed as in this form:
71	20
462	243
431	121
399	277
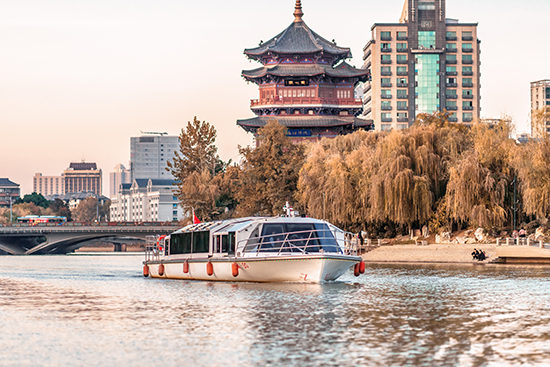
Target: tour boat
279	249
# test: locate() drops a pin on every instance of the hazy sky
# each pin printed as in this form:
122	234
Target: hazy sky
79	78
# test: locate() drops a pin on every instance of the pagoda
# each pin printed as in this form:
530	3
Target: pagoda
305	84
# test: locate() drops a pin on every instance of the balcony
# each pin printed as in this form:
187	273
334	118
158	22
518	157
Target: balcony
451	108
467	61
385	38
451	38
367	54
467	85
451	85
386	49
451	61
451	73
468	108
467	50
467	96
386	119
467	119
385	73
296	101
466	73
402	38
452	50
368	99
402	119
453	119
467	38
402	61
385	62
367	88
401	49
452	96
386	108
385	85
402	85
402	73
367	66
369	110
385	96
402	96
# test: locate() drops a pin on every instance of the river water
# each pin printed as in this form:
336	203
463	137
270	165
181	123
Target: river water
100	311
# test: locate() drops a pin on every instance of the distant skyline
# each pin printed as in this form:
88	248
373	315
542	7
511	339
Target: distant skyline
79	78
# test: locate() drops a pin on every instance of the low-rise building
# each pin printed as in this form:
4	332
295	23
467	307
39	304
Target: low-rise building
146	200
9	192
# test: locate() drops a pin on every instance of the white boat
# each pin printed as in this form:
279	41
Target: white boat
281	249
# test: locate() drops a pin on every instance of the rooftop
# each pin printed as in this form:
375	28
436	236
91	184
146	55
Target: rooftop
6	182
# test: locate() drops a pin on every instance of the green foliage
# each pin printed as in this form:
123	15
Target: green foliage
36	199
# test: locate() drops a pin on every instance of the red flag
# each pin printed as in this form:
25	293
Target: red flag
195	219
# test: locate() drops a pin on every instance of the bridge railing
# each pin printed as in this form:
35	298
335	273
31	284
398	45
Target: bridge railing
93	224
522	241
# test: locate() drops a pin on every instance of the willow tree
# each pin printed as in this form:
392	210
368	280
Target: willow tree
269	173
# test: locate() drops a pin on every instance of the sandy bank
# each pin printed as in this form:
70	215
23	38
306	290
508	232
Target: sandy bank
448	253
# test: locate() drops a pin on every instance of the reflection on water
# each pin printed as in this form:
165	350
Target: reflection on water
99	310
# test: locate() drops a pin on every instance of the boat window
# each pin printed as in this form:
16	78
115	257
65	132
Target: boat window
326	237
228	243
201	242
301	236
180	243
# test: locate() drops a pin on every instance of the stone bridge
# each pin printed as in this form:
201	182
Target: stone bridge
65	239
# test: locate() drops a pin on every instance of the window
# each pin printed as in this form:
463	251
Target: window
386	115
401	93
467	116
451	104
451	46
401	104
402	115
467	104
467	58
385	127
451	57
426	40
451	69
402	58
467	69
401	46
466	35
451	80
386	81
385	70
401	34
467	46
401	81
401	70
451	35
386	57
467	92
385	34
426	6
451	92
385	46
386	104
385	92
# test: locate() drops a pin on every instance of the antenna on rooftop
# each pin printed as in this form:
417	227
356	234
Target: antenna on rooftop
152	133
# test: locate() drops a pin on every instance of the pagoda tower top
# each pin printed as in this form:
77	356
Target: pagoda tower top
298	14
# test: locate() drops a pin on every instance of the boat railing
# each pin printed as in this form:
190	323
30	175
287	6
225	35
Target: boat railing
152	248
304	242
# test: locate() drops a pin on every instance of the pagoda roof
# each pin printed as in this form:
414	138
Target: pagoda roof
306	121
298	38
342	70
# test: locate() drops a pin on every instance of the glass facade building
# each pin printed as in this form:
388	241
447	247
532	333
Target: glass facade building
423	64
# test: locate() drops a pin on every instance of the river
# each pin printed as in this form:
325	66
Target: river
100	311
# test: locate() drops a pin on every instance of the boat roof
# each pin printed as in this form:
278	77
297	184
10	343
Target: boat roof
234	225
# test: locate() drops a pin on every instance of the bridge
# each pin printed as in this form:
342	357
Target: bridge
62	239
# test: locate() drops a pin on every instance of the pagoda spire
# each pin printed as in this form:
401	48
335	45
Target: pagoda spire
298	14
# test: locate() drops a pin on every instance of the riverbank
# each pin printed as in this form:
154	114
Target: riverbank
442	253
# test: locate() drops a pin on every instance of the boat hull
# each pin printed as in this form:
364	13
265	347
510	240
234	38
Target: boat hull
302	269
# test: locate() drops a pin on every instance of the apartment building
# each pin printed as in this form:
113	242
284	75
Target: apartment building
540	98
48	185
424	63
149	155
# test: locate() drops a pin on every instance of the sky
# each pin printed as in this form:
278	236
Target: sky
79	78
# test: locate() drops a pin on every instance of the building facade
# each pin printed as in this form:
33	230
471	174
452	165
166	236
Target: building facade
540	99
48	185
149	155
9	192
146	200
304	84
424	63
82	177
119	176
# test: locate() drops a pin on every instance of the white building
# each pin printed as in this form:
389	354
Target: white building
48	185
146	200
120	175
149	154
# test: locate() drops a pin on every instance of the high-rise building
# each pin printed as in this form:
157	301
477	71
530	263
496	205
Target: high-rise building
9	192
48	185
120	175
424	63
149	154
81	177
540	99
304	84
